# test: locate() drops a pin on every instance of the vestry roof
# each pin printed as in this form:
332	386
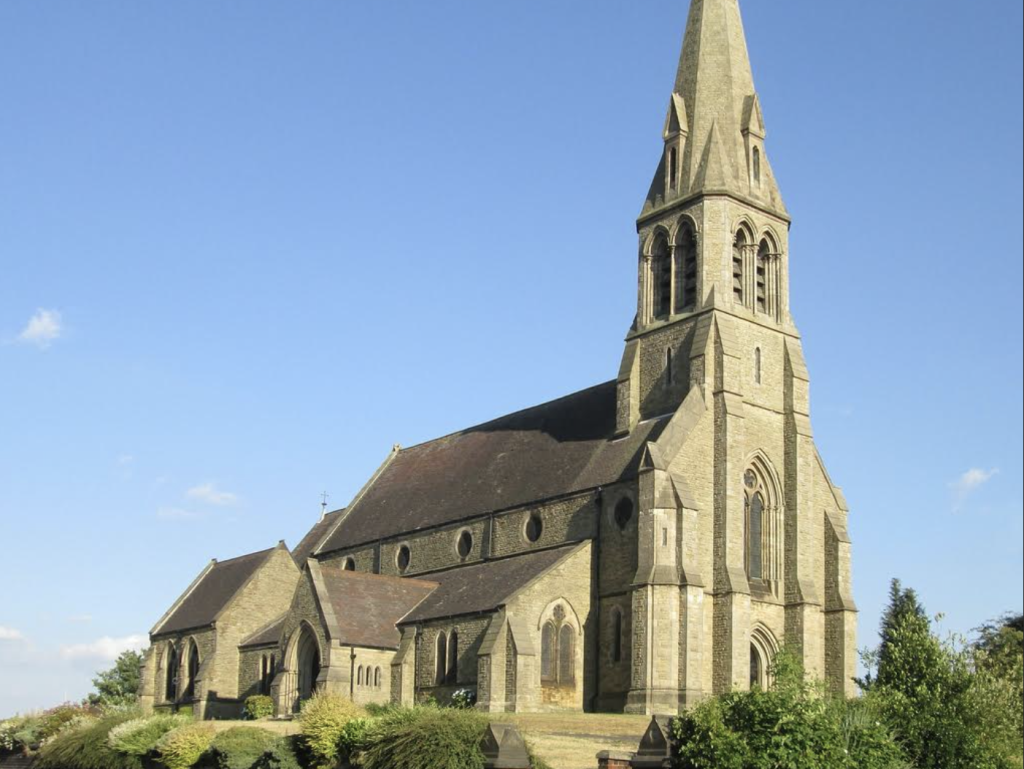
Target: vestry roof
212	592
485	586
367	607
541	453
266	636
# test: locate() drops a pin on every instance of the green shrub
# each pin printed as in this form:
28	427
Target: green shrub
259	706
250	747
54	721
86	747
183	747
140	736
323	719
426	738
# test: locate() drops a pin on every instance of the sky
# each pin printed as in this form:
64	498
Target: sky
247	247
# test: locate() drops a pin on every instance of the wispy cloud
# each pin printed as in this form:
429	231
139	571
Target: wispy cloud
209	493
42	329
968	483
105	649
176	514
10	634
80	619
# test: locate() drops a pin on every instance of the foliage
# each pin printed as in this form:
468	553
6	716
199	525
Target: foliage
426	738
794	725
463	699
140	736
250	747
355	737
120	684
183	747
86	747
259	706
949	706
323	719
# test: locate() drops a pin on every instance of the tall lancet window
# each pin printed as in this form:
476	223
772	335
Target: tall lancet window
762	529
757	165
738	246
686	269
661	274
763	258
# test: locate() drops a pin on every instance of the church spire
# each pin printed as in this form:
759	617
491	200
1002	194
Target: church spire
722	125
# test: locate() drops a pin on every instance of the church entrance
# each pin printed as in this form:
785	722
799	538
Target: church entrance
307	663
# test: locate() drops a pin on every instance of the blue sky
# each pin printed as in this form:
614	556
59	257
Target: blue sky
246	247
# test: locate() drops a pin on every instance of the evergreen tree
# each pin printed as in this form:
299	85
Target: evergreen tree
120	684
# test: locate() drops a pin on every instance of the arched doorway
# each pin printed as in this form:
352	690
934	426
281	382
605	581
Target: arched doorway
307	658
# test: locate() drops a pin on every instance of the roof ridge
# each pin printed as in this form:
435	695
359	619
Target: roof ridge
379	577
480	425
245	555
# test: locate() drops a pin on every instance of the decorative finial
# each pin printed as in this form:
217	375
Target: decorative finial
324	496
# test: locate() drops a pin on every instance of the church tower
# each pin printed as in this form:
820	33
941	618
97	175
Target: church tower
743	543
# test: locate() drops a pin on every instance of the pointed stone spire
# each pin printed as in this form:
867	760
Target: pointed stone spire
723	120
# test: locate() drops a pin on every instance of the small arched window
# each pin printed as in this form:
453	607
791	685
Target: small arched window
738	246
673	167
264	673
350	564
452	671
757	365
193	670
566	655
359	677
759	535
757	165
686	269
548	651
762	653
669	368
756	667
441	664
376	678
616	639
661	269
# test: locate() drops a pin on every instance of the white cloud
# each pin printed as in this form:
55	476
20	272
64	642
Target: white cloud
176	514
104	649
42	329
209	493
10	634
970	481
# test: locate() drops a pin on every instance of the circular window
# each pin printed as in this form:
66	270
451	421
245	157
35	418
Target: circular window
403	559
534	527
350	564
464	546
623	513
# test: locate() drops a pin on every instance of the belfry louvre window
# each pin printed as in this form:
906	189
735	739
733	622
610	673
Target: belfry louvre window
737	266
763	254
661	269
686	269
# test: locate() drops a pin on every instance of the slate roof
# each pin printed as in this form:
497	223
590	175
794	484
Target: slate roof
485	586
309	542
367	607
266	636
541	453
213	592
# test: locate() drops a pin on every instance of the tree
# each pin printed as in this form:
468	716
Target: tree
904	606
120	684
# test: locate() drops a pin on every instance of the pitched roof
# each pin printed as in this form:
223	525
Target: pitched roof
212	592
309	542
484	586
544	452
367	607
267	635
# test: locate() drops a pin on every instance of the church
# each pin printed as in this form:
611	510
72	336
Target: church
633	547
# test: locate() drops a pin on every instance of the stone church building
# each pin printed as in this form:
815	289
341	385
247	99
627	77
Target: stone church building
634	547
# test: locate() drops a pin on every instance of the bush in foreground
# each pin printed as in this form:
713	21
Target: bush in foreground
426	738
139	736
250	747
323	719
183	747
258	706
86	746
